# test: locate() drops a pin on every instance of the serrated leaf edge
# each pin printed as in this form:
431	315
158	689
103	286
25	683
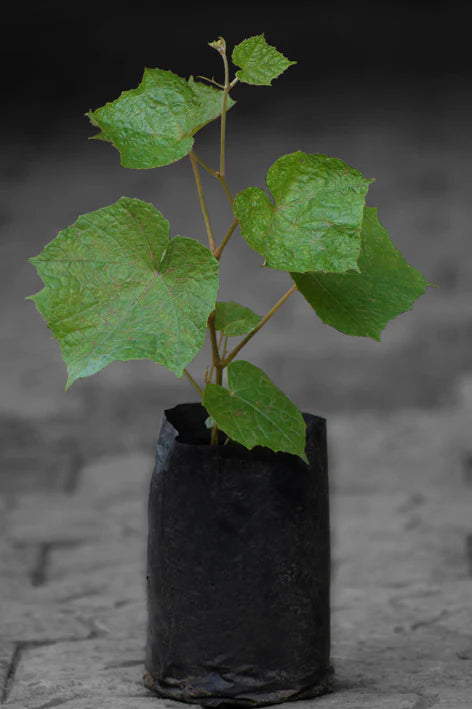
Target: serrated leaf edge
241	71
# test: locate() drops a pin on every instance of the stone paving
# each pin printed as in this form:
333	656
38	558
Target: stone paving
72	566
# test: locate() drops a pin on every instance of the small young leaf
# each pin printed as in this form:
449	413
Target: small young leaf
259	61
253	412
316	220
153	124
234	319
362	303
117	288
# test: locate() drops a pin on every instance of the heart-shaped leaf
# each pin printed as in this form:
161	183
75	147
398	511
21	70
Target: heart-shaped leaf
154	124
254	412
117	288
315	221
363	303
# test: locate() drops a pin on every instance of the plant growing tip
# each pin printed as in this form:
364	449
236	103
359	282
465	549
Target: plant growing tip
116	287
219	44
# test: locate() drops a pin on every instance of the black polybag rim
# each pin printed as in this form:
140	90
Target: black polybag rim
232	449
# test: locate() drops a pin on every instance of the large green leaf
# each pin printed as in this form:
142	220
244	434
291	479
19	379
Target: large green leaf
363	303
253	412
315	221
259	61
234	319
153	124
117	288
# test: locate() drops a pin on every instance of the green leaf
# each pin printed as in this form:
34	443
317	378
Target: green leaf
253	412
259	61
363	303
234	319
210	100
117	288
316	220
153	124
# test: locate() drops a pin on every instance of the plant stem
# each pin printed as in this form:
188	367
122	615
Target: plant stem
225	347
217	365
217	176
193	382
227	237
219	374
214	435
196	174
224	184
214	344
226	91
212	81
211	320
256	329
218	380
204	165
212	368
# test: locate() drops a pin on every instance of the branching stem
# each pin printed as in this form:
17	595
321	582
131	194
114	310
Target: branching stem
196	174
260	324
212	81
218	364
217	176
227	237
206	167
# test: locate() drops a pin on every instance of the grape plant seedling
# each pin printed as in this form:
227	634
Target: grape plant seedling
117	287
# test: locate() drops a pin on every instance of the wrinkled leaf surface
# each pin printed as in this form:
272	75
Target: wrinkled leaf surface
154	124
117	288
315	221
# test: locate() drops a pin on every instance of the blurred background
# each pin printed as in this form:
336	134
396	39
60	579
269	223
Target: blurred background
384	86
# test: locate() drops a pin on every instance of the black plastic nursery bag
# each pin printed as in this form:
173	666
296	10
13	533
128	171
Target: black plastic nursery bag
238	568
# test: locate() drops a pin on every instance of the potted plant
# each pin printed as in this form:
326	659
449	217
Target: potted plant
238	552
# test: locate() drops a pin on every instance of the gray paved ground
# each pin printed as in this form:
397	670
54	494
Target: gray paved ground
75	467
72	570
